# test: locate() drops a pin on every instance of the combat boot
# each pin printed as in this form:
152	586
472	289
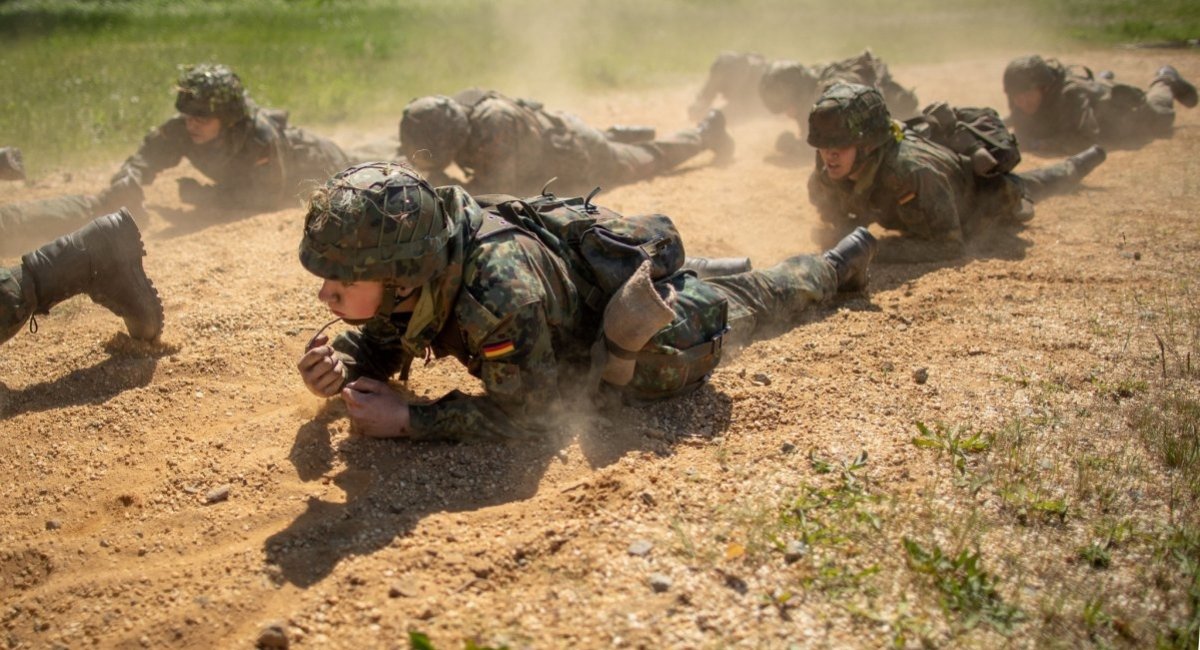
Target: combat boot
714	136
1087	161
715	267
1183	91
12	167
851	259
104	260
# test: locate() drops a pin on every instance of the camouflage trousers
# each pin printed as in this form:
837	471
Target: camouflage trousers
764	303
17	301
27	224
619	162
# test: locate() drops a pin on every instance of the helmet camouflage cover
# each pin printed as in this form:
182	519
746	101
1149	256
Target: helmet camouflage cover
1027	72
786	84
210	90
436	124
849	115
375	221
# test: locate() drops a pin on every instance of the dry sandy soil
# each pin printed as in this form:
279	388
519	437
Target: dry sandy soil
677	525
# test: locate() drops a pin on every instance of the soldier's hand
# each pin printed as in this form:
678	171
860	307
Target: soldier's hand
192	191
375	409
322	372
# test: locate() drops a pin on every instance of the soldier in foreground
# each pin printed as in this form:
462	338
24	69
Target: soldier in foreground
427	270
1060	108
103	260
255	160
790	88
871	170
515	145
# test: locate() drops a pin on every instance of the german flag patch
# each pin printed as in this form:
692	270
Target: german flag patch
497	350
908	197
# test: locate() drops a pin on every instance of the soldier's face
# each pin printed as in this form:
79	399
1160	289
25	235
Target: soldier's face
202	129
838	162
351	300
1027	101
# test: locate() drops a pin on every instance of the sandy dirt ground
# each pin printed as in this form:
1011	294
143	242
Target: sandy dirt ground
194	494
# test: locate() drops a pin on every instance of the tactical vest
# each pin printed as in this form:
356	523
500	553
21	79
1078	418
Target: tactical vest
602	249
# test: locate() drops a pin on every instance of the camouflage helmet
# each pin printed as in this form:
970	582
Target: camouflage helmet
786	84
849	115
435	124
376	221
1026	73
211	90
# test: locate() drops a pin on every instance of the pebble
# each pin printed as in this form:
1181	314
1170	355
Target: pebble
761	379
640	548
795	550
660	583
53	524
787	448
921	375
217	494
273	636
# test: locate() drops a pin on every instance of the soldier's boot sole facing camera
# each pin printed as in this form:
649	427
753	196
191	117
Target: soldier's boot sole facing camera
103	260
715	267
851	259
1183	91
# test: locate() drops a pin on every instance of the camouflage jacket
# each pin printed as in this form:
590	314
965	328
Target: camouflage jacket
869	70
913	186
516	323
259	163
516	147
1078	111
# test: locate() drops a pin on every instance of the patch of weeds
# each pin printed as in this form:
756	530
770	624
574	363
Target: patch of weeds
967	591
1124	388
955	442
1096	554
1031	505
1095	619
420	641
1182	546
1170	426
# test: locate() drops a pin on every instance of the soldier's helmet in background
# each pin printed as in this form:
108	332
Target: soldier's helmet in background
849	115
787	84
376	221
432	130
211	90
1027	72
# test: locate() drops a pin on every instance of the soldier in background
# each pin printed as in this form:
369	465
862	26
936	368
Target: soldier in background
1059	108
515	146
791	88
255	160
870	170
12	167
426	270
103	260
733	77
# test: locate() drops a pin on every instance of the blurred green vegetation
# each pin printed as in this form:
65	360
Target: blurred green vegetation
85	80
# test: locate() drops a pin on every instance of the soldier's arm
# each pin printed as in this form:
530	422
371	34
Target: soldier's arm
255	180
494	159
930	218
1077	126
161	149
520	380
374	350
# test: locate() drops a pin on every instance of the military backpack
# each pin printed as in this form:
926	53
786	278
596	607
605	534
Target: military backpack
602	249
966	130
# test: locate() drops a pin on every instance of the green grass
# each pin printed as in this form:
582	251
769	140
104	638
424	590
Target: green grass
85	80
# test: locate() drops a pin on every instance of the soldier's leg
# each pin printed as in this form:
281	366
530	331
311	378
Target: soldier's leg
37	220
761	302
1062	176
17	301
644	160
1179	89
103	260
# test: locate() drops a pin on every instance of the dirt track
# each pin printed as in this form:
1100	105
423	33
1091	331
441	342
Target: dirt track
111	448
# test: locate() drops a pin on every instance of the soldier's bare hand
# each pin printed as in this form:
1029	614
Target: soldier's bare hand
375	409
322	372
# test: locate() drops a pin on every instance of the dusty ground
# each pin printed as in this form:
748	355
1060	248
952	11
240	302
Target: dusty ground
671	526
